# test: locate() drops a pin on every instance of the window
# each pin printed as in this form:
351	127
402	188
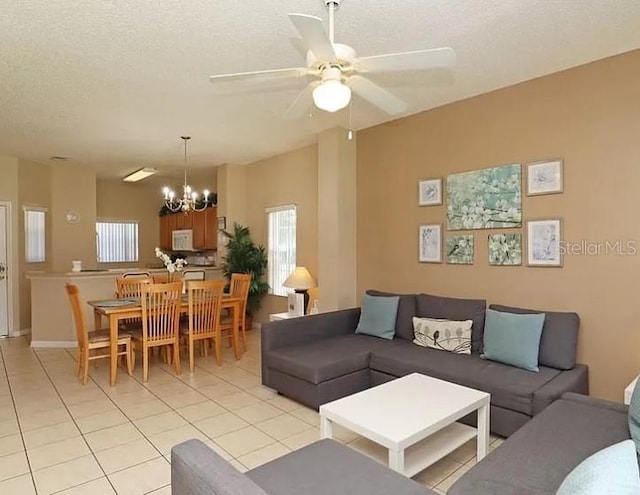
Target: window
117	242
34	234
282	246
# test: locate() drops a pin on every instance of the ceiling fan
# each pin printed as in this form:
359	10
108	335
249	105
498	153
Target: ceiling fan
337	70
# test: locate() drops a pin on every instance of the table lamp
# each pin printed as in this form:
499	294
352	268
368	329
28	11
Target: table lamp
300	281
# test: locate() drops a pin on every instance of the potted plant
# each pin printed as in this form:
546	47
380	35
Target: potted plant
244	256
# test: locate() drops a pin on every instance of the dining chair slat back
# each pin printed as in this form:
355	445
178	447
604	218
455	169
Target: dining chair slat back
78	317
167	278
160	322
161	310
239	288
205	299
128	288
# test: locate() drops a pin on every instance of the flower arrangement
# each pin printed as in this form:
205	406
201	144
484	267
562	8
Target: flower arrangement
172	266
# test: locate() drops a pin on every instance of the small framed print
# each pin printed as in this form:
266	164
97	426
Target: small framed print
544	177
460	249
430	192
222	223
430	244
543	243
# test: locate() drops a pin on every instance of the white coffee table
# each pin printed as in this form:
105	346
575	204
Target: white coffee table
411	421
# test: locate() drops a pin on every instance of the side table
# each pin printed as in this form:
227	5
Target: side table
281	316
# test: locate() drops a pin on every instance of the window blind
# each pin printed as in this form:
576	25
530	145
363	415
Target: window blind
34	234
282	246
117	242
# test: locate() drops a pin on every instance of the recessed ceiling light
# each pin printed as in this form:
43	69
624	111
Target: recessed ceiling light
143	173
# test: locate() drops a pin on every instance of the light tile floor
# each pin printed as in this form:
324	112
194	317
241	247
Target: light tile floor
60	437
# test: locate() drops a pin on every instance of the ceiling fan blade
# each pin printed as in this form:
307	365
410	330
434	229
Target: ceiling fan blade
301	105
376	95
314	35
437	58
260	76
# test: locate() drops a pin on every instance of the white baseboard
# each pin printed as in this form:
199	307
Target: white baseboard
53	344
21	333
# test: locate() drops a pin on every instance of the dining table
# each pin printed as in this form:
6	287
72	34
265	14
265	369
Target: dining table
115	310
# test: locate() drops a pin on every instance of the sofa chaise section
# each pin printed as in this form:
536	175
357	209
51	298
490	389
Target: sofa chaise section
536	459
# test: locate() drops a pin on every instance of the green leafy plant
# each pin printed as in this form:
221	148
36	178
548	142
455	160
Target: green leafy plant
244	256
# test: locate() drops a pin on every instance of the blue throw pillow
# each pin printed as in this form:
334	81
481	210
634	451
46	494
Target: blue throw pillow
634	416
611	470
513	339
378	316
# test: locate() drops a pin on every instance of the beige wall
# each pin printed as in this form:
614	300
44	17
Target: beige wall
73	188
291	178
9	192
34	189
117	200
589	116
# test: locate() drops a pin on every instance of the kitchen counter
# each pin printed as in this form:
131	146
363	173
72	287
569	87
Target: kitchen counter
51	319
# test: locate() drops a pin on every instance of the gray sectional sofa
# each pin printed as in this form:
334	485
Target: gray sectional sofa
320	358
322	468
533	461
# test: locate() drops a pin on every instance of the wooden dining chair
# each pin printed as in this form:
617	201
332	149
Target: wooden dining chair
136	275
239	288
94	341
164	278
131	288
204	317
160	322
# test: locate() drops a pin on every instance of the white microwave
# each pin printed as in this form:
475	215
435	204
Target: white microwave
182	240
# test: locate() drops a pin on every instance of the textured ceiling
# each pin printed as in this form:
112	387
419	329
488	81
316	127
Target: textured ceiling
113	84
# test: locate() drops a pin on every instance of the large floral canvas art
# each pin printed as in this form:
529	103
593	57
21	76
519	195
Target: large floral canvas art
485	199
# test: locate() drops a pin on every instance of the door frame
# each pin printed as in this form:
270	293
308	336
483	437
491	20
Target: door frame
11	278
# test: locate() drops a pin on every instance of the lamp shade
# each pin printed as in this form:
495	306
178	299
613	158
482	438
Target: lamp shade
332	95
299	279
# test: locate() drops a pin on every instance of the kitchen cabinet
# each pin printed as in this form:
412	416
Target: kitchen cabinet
198	226
184	221
203	223
211	228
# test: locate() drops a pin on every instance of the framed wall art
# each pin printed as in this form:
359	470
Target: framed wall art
485	199
545	177
505	249
543	243
430	244
430	192
459	249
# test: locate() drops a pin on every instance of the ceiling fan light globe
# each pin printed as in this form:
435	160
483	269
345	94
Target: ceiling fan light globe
332	96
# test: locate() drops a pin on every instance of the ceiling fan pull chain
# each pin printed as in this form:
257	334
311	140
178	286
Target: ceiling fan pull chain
332	14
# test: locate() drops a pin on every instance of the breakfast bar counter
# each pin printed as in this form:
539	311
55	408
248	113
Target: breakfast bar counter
51	318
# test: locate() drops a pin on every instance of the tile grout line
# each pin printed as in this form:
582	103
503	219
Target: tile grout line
76	424
15	412
174	410
53	382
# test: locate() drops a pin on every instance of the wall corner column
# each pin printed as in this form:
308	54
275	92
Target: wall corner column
337	220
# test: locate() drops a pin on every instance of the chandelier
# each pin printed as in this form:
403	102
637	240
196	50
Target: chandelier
189	201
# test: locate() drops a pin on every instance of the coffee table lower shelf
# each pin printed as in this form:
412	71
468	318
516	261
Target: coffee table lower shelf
423	454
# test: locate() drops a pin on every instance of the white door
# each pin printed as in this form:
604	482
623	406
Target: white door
4	278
